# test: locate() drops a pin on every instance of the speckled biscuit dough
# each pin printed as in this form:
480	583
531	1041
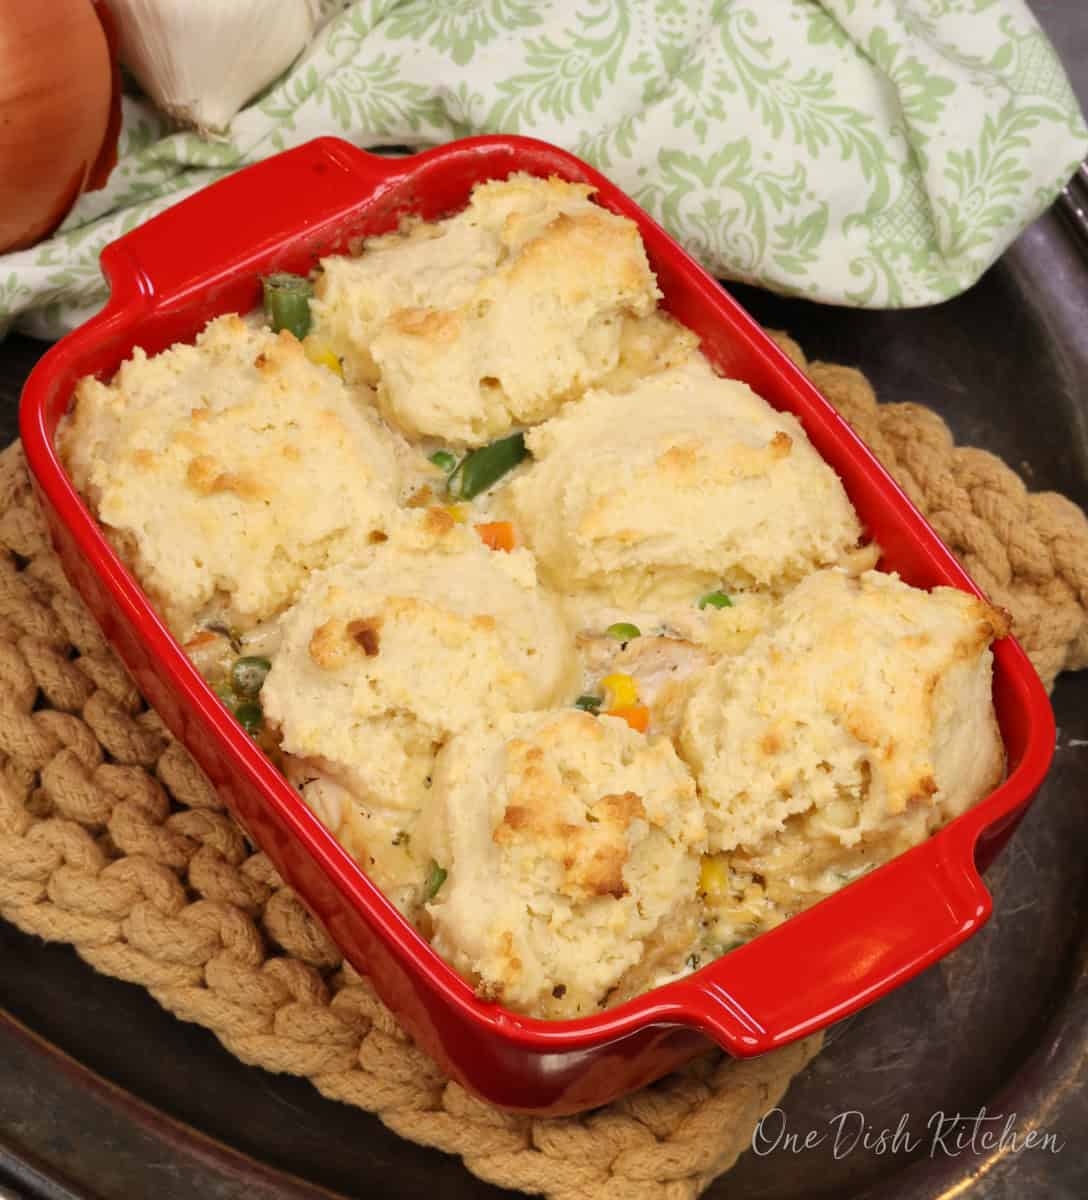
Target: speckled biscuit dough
572	845
685	483
228	470
865	703
493	317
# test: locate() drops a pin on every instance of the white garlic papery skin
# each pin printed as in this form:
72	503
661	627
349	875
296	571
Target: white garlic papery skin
201	60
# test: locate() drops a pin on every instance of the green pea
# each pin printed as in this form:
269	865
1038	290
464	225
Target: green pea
478	471
436	877
589	704
247	676
287	302
623	631
715	600
444	460
250	716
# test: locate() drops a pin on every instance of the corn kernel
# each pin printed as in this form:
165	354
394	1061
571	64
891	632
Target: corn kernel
459	512
621	690
713	876
322	354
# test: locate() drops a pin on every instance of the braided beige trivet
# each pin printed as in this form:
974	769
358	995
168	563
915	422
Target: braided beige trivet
111	839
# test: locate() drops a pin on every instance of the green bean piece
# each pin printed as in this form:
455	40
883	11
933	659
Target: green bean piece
477	471
227	694
623	631
250	716
444	460
589	704
715	600
248	674
287	302
436	877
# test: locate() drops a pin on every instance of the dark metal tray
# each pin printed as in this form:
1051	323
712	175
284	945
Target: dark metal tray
103	1094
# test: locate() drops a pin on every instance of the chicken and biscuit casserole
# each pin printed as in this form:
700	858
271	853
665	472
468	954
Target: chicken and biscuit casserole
577	647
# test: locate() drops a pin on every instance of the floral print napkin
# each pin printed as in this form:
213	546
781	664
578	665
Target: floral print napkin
878	153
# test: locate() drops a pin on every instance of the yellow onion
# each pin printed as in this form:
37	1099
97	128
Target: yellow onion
59	112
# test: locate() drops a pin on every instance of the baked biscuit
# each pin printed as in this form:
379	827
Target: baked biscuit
493	317
226	471
435	264
572	848
865	705
648	344
686	483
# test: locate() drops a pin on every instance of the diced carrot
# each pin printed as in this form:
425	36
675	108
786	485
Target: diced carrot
636	715
497	535
201	639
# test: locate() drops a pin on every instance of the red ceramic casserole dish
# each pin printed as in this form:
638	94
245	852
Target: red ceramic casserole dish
203	258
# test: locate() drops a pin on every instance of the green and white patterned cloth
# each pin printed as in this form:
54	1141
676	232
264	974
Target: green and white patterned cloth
879	153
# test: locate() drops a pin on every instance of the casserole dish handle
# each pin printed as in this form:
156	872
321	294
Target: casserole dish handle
279	214
822	964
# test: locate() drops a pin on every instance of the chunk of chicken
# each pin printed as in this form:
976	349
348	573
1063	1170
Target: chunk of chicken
662	667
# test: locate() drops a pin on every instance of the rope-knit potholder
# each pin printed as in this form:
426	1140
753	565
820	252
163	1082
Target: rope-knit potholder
112	839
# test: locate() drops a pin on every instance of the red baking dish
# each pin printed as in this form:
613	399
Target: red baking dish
203	258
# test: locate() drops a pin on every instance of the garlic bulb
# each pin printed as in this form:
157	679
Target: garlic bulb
201	60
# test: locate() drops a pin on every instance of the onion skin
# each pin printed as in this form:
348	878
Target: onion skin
107	152
59	106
